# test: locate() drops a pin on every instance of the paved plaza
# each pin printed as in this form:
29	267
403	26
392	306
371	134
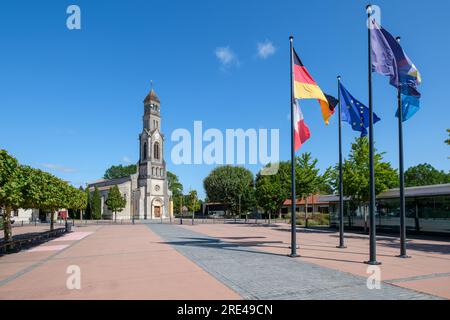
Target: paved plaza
221	261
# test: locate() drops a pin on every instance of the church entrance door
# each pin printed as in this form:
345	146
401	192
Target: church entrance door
157	211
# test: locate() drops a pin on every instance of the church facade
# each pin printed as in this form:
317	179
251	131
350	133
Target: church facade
146	191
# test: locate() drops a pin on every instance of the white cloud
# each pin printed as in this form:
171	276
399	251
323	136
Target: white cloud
265	49
57	167
226	57
126	159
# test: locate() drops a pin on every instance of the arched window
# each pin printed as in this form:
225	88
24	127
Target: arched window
156	150
144	152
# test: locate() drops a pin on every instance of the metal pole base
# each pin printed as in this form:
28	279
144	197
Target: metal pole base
293	255
297	247
373	263
404	256
341	247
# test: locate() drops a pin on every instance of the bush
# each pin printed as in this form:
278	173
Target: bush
316	219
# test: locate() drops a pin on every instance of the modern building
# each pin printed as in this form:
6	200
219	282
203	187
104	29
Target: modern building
427	210
146	192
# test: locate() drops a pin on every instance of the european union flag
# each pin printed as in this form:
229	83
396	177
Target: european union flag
354	112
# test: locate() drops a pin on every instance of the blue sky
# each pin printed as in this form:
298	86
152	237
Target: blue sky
71	100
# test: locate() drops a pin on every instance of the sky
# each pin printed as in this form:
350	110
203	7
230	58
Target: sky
71	101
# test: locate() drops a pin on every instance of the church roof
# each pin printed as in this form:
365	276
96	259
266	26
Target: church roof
151	97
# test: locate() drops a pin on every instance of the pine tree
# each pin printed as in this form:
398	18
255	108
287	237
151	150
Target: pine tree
96	203
87	210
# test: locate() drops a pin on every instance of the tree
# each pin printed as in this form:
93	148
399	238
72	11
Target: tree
447	141
176	187
120	171
425	174
96	203
87	209
76	199
229	184
26	187
355	171
11	189
115	202
273	190
307	180
193	203
53	195
326	182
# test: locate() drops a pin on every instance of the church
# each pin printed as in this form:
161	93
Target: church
146	191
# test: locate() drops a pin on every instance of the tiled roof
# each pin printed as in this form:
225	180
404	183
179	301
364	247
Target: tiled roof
151	97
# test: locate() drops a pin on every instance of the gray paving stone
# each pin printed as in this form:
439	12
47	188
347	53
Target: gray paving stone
256	274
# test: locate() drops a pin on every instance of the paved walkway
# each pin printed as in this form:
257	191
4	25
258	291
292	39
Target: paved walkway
219	261
428	269
256	274
116	262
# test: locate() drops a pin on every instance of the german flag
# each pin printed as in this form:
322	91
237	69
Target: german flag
306	88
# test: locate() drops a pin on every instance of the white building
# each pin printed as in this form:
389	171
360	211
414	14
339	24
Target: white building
146	191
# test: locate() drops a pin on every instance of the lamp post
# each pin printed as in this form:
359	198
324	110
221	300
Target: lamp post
181	209
240	195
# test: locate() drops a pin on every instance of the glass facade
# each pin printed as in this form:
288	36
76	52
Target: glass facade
423	214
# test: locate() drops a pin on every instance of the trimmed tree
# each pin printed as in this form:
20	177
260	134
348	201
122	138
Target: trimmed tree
115	202
11	189
229	184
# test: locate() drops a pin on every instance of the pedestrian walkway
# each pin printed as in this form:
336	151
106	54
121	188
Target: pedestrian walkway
256	274
116	262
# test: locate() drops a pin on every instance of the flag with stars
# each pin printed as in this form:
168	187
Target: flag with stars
354	112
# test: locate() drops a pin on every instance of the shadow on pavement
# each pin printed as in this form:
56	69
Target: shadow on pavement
221	245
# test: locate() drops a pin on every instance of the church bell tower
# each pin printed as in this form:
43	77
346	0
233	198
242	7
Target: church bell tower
152	183
151	162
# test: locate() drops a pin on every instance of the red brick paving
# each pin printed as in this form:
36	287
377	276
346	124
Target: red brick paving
117	262
131	262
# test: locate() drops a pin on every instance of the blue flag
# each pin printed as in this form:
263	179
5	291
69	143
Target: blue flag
410	105
354	112
389	59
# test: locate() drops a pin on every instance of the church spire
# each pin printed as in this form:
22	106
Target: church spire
151	96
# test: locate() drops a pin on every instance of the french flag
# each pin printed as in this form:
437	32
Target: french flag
301	130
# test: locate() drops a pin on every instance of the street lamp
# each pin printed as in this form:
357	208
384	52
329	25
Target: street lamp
240	195
181	209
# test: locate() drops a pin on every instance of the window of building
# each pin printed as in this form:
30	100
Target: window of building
156	150
145	151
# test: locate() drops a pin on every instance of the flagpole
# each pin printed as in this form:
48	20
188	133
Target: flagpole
372	231
341	185
293	211
401	175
